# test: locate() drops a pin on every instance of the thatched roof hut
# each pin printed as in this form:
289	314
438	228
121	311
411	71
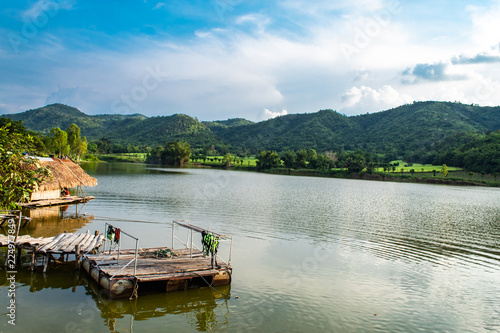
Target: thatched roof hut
64	173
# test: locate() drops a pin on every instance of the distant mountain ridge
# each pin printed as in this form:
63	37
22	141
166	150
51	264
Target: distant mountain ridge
410	127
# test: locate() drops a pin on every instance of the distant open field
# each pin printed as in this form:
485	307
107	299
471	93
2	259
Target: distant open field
238	161
123	157
417	167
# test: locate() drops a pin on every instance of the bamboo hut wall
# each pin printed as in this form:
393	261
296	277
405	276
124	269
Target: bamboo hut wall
46	195
43	212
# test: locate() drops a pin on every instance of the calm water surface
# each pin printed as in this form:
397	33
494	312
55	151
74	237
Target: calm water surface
332	255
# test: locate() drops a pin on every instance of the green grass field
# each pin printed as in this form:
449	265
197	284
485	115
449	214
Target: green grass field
245	161
417	167
124	157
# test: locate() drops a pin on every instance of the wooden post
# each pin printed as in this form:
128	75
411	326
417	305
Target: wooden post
47	259
77	255
19	253
18	226
33	258
96	234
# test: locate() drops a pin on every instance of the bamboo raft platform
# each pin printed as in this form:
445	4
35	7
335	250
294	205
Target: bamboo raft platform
57	202
63	244
122	272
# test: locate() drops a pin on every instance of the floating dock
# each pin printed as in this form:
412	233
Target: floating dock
63	201
122	272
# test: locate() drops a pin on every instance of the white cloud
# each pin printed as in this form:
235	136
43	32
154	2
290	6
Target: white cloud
259	20
485	25
268	114
46	7
159	5
363	99
256	62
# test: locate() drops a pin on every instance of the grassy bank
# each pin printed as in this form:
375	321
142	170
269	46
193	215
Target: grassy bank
125	157
454	177
417	173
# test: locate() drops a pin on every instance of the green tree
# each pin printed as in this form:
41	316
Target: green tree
354	162
228	159
444	170
370	167
82	148
154	156
289	159
19	175
321	162
59	140
301	161
268	160
74	140
176	153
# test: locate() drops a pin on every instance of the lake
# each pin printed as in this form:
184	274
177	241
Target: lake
334	255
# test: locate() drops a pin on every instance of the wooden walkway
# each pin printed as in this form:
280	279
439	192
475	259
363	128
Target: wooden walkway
57	202
62	244
4	218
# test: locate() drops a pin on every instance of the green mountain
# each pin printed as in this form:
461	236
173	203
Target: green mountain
324	130
399	130
60	115
158	130
411	130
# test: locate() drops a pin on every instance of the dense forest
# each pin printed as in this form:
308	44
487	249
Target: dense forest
425	132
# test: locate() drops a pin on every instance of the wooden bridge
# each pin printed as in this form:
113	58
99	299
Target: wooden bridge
63	244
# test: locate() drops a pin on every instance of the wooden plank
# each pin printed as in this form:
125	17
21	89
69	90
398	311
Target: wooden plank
57	202
154	268
172	276
86	241
69	248
55	240
49	246
97	241
63	243
22	240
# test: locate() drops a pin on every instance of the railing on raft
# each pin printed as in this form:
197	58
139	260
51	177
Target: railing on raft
189	242
116	249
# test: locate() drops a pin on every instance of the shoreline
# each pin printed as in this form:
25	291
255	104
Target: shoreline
454	181
419	178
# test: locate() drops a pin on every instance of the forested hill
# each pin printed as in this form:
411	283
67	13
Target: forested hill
420	126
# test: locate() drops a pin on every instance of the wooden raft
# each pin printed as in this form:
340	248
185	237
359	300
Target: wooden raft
179	272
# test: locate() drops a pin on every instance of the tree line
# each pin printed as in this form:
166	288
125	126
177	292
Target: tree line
58	142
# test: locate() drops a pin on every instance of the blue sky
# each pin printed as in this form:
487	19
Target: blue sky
254	59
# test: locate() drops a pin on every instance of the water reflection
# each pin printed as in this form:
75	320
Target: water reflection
52	221
205	308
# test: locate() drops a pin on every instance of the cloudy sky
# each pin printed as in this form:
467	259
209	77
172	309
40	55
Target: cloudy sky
254	59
